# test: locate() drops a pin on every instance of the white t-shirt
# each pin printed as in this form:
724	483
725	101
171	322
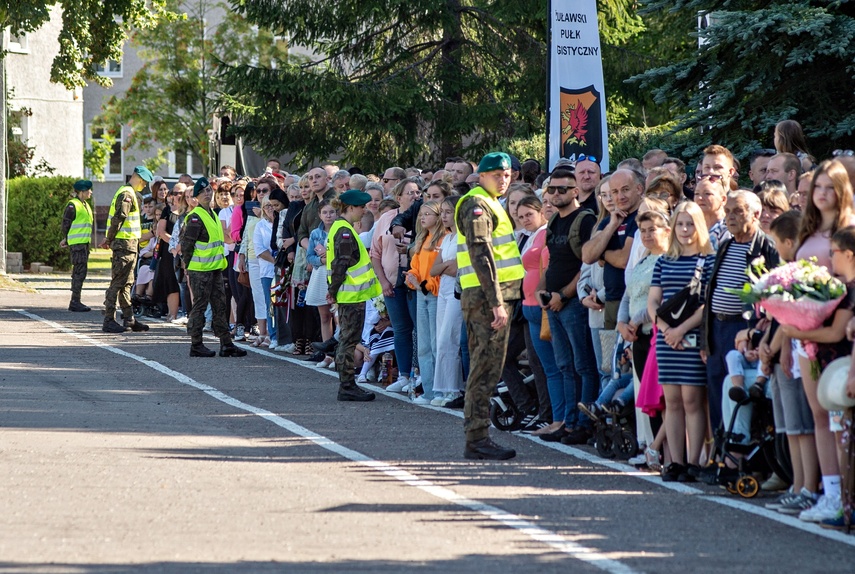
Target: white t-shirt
225	216
261	243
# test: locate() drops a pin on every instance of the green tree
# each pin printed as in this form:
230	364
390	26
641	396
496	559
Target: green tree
760	62
91	32
401	82
169	104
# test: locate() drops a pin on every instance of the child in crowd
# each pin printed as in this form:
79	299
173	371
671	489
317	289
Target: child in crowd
377	338
316	256
832	344
429	235
144	288
448	375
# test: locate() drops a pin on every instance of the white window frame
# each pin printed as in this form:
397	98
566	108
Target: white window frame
108	175
189	161
105	71
17	44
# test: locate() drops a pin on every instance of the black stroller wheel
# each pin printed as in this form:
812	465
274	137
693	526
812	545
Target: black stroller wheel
624	445
605	446
504	420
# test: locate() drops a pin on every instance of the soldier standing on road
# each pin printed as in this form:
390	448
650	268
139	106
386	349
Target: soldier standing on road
77	232
123	236
491	273
204	259
352	282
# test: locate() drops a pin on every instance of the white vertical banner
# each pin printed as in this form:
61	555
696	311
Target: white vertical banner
576	99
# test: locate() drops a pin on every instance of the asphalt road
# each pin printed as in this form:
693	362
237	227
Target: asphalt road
119	453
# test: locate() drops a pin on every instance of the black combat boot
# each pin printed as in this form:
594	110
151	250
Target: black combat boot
200	350
353	392
111	326
78	307
486	449
136	326
327	346
231	350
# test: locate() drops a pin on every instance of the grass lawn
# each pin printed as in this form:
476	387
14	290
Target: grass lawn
9	284
99	261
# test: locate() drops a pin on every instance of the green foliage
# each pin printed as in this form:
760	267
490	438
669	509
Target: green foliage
35	209
169	105
627	142
524	148
92	32
20	156
400	82
761	62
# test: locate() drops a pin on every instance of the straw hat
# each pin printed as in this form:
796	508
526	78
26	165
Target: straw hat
831	391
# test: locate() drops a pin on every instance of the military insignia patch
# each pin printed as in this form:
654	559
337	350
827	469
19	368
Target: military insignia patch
478	211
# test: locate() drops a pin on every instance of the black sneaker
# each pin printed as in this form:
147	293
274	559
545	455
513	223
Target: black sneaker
528	420
535	426
592	410
577	436
672	472
690	473
315	358
456	403
555	436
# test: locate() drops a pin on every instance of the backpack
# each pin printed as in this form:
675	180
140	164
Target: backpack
574	237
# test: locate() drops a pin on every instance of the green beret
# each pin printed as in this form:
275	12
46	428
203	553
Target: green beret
354	197
494	161
201	184
144	173
82	185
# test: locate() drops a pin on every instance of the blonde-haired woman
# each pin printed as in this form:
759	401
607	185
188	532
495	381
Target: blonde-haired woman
682	372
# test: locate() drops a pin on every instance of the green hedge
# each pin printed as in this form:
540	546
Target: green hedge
35	209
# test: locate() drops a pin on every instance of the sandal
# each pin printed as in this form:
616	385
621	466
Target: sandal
651	455
265	342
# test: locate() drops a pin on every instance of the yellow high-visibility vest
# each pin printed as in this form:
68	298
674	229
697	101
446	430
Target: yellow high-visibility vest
360	283
208	255
130	228
506	253
81	227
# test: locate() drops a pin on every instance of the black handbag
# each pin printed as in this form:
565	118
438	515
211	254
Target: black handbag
684	302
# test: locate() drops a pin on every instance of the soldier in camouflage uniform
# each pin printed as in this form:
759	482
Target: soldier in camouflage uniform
204	258
77	223
123	234
352	283
491	272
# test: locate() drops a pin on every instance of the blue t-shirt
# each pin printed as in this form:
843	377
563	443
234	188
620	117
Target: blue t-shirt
613	277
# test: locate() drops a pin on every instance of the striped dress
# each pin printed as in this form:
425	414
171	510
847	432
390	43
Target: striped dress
680	367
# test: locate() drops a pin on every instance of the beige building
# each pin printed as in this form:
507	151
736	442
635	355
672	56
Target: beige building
44	115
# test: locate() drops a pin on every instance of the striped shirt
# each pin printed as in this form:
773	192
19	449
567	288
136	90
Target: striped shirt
671	275
731	274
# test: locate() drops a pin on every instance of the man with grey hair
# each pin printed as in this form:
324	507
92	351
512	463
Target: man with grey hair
358	181
724	313
341	181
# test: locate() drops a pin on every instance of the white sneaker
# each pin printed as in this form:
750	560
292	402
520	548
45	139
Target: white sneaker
421	400
322	365
361	379
826	508
289	348
180	321
331	366
398	386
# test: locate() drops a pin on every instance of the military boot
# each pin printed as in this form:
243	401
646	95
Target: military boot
353	392
200	350
486	449
111	326
78	307
136	326
231	350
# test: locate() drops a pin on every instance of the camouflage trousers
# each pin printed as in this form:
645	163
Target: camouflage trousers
121	281
351	317
487	350
79	264
207	288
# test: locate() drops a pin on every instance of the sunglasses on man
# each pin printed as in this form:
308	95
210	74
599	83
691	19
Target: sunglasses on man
559	189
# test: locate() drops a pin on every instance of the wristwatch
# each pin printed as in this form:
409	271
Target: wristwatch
564	298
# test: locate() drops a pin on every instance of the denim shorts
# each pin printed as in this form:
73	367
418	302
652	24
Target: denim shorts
789	402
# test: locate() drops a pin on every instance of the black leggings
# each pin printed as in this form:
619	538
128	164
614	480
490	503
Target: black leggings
244	311
640	350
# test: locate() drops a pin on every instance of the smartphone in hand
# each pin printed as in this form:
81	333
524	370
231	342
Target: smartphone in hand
545	298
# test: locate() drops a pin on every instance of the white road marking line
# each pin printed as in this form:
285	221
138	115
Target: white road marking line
549	538
613	465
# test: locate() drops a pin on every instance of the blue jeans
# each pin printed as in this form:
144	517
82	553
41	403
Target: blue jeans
464	351
742	424
624	383
574	354
554	379
598	355
265	288
402	313
426	339
722	335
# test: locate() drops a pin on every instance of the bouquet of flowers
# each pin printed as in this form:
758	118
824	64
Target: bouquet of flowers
800	294
380	306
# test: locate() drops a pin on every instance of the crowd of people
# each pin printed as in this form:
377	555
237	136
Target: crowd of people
602	254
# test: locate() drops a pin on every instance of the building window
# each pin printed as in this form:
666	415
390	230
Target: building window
185	161
112	69
113	168
18	43
19	125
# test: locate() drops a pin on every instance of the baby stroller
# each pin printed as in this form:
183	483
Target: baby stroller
757	455
614	422
504	413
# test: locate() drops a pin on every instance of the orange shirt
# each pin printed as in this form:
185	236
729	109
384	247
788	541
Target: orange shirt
421	264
